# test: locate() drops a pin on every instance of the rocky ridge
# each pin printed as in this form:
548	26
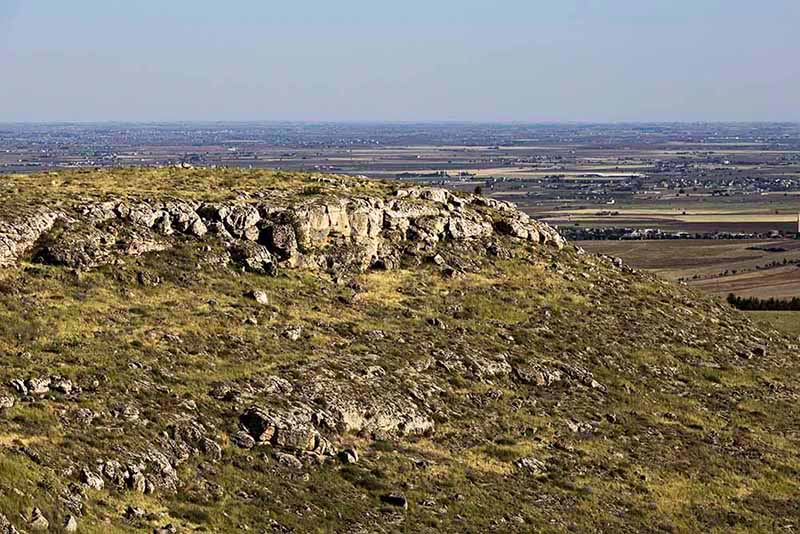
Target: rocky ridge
351	234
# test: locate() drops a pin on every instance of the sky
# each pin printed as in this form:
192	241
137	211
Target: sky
410	60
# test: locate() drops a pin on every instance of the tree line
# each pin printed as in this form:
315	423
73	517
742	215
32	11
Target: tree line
757	304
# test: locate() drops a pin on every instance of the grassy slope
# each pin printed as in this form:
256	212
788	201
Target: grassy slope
785	321
689	437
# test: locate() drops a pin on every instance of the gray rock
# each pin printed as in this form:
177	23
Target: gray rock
197	228
6	527
530	465
38	522
243	440
61	384
6	401
538	375
281	239
241	221
288	460
211	449
298	236
19	386
460	228
253	257
70	524
484	367
115	473
143	215
137	482
259	296
348	456
90	479
163	224
133	512
513	227
259	423
76	245
38	386
293	333
18	235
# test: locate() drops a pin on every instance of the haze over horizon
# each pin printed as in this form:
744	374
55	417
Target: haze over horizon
358	61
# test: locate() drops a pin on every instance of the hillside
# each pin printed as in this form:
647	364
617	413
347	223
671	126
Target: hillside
229	351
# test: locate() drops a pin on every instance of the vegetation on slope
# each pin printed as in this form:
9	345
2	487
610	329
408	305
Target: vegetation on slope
566	393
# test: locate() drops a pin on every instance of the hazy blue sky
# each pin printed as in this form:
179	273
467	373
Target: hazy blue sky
505	60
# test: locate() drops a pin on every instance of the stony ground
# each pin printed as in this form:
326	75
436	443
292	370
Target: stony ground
455	368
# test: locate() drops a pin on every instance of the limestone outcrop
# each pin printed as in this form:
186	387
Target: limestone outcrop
19	232
330	234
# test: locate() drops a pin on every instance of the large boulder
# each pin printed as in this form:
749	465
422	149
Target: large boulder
20	232
144	215
312	225
286	429
253	257
281	239
241	221
75	245
461	227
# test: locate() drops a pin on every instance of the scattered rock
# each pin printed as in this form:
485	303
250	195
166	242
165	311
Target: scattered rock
288	460
436	323
258	296
538	375
348	456
254	257
293	333
62	385
211	449
133	512
243	440
260	424
70	524
6	527
38	522
38	386
19	386
91	480
530	465
137	482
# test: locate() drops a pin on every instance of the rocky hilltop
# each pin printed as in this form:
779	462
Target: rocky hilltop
230	351
330	234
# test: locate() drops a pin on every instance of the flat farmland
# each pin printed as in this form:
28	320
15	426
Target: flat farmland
756	215
781	282
758	268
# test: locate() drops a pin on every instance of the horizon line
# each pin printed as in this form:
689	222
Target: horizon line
397	122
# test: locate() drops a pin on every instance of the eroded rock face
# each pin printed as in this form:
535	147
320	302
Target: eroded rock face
348	396
83	246
254	257
291	430
349	233
20	232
